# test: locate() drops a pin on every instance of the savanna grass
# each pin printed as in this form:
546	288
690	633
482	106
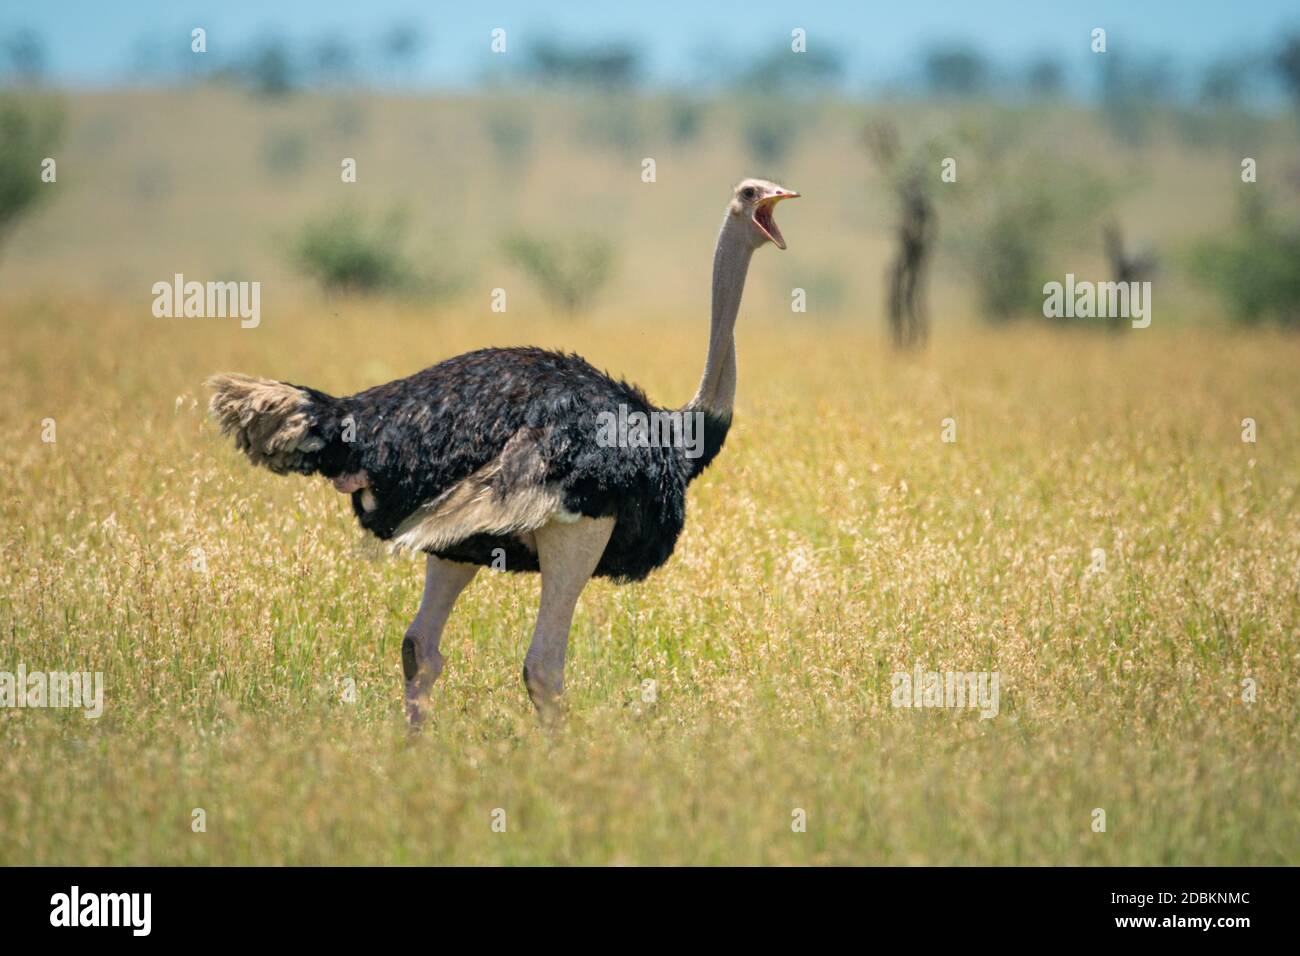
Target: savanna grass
249	636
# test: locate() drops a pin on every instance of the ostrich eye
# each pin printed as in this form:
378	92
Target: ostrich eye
748	193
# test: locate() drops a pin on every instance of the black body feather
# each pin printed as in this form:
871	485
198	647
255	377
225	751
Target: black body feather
419	436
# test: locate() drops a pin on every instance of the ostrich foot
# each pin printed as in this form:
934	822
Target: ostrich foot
545	695
420	676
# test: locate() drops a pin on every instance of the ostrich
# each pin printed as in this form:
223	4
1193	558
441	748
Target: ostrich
495	454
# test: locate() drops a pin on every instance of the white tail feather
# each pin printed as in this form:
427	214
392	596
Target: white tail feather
269	419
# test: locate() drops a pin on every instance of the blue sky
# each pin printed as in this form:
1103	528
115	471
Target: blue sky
92	42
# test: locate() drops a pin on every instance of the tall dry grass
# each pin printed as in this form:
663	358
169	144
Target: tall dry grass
836	541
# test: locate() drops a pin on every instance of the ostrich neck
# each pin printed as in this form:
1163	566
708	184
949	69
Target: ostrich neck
717	389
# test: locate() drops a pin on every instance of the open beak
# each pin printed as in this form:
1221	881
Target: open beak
763	215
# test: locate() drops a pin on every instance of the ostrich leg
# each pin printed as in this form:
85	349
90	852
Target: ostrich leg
567	553
421	660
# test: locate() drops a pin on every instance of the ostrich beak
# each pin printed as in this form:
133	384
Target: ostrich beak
763	215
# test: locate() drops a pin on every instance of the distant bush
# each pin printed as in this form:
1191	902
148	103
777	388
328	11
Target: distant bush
28	134
22	57
611	122
284	151
1010	236
777	72
570	273
344	253
1044	78
955	71
270	70
1008	259
1134	93
685	118
1287	64
774	126
347	118
510	131
606	66
1256	269
767	136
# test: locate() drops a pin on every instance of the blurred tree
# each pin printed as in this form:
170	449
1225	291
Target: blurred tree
956	71
611	67
769	133
1222	82
570	273
29	132
912	177
284	151
1045	78
782	71
347	117
709	68
684	119
1008	258
1031	205
23	57
1148	79
510	130
1287	63
344	252
1132	91
151	59
400	46
332	60
1128	264
1256	267
270	70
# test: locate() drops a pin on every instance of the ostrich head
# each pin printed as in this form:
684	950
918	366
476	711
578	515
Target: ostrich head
751	208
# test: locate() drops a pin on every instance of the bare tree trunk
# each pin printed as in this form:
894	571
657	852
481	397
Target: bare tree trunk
908	317
909	321
1125	265
894	305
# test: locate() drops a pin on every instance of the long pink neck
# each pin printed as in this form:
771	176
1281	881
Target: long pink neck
717	391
